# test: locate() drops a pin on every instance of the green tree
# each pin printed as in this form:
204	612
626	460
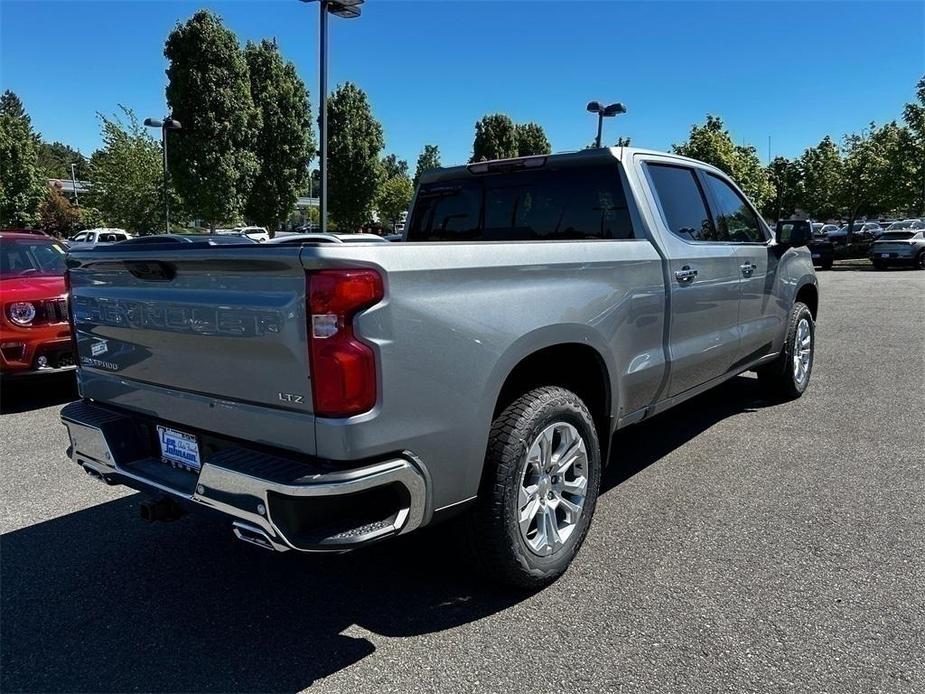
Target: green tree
877	171
622	142
787	178
355	141
57	215
284	143
914	117
127	176
392	166
821	169
212	160
428	159
395	198
22	186
55	159
495	138
531	139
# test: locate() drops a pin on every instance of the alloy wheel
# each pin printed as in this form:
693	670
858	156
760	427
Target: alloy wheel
553	488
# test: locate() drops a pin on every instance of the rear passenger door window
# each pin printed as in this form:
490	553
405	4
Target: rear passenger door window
683	205
734	216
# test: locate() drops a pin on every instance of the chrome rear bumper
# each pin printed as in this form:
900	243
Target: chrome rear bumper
264	495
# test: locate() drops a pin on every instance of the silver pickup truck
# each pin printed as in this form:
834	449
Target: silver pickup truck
323	396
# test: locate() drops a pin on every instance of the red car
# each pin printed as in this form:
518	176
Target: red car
35	336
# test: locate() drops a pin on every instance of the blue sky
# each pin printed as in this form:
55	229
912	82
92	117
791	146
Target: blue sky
791	71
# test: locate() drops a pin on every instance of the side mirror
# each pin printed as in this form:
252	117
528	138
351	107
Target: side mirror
793	235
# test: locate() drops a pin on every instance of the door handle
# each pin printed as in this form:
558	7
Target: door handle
748	268
685	275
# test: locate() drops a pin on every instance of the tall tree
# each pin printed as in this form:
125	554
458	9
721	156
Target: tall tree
284	143
212	160
876	171
428	159
394	198
55	159
495	138
392	166
787	178
22	186
127	175
821	168
354	171
531	139
57	215
712	143
914	117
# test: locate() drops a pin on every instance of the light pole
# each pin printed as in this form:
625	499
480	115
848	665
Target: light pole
164	125
602	113
74	183
348	9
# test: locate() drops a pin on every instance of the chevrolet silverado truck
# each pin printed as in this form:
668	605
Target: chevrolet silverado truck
322	396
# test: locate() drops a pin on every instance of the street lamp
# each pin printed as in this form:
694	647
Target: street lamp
602	113
164	125
348	9
74	183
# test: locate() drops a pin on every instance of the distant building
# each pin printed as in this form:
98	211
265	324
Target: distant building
66	186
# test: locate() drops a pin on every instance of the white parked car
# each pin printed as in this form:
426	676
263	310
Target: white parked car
95	237
256	233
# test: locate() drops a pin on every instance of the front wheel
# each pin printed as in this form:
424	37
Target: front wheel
920	261
539	490
787	377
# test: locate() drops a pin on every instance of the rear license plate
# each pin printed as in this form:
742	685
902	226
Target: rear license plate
179	448
884	255
816	256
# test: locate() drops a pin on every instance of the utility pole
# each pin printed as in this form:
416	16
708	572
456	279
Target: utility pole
74	183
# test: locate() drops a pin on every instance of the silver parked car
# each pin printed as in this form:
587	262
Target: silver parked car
903	247
323	395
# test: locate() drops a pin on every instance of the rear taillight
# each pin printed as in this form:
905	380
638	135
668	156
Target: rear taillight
343	368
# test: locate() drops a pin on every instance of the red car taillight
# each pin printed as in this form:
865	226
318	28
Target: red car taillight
343	368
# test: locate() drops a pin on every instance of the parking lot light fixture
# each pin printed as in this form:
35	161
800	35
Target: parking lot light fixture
347	9
164	125
602	113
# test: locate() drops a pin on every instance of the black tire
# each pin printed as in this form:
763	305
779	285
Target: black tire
920	261
826	265
878	265
491	529
780	379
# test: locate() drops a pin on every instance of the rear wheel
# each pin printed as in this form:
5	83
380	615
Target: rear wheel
539	490
920	261
827	265
787	377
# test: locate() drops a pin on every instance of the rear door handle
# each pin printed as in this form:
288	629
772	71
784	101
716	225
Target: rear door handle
685	275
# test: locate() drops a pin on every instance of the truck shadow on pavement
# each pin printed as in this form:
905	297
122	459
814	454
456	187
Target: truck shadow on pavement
98	601
35	392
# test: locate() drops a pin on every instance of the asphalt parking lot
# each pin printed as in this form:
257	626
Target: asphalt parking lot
739	546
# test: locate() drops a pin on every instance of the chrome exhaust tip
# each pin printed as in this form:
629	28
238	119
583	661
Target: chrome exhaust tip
256	536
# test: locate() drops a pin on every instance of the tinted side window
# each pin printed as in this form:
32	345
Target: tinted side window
683	203
734	217
571	203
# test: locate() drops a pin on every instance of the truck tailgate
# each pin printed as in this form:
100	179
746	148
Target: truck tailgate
224	323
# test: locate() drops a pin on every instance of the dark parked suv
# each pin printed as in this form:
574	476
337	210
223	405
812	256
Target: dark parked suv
821	249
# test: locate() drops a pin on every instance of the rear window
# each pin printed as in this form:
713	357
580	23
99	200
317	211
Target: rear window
897	235
535	205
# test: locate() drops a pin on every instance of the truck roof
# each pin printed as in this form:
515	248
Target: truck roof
561	159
